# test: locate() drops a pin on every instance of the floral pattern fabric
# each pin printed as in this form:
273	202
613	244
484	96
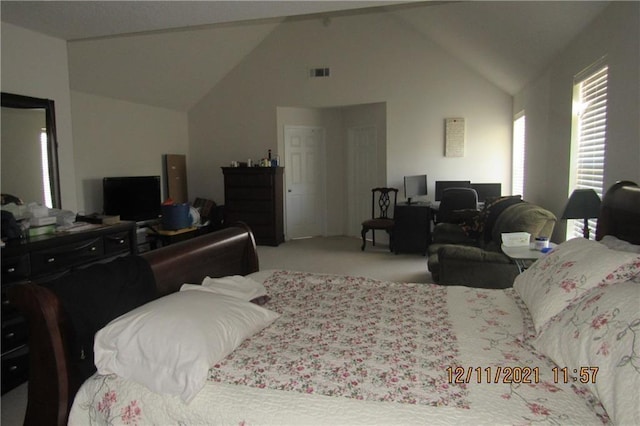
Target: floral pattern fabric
597	341
353	350
351	337
574	267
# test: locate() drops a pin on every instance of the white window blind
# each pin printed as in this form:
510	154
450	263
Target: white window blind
592	131
517	165
590	99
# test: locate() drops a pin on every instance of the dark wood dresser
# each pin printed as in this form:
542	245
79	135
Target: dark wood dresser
254	195
40	259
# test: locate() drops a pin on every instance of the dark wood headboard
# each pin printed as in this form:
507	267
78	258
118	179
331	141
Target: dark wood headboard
620	213
53	382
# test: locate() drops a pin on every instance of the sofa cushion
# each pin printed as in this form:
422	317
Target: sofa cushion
524	217
451	233
493	210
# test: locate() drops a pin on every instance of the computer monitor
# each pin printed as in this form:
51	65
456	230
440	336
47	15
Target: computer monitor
487	190
441	185
414	186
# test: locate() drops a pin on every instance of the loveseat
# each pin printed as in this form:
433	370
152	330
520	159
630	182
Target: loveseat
468	252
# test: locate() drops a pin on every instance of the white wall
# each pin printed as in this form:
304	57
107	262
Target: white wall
117	138
35	65
547	103
373	59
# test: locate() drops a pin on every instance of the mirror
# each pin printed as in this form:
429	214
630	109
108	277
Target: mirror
29	150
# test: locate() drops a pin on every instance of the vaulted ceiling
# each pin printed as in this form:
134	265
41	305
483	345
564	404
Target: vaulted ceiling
508	42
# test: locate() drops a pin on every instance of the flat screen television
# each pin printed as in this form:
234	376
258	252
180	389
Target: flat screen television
135	198
414	186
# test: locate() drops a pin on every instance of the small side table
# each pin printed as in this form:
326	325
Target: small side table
166	237
523	255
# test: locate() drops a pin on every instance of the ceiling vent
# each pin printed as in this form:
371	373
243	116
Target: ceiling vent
319	72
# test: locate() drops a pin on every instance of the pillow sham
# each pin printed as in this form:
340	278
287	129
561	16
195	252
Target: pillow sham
597	341
234	285
567	272
169	344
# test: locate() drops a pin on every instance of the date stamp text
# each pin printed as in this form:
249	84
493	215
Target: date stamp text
518	374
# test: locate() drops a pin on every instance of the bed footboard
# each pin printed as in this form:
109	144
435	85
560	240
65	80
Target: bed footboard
52	381
230	251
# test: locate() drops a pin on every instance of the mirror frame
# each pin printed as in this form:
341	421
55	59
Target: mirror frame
11	100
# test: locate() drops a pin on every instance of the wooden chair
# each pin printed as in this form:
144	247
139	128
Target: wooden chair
380	220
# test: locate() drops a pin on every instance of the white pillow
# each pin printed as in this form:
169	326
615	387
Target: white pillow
603	331
235	285
567	272
169	344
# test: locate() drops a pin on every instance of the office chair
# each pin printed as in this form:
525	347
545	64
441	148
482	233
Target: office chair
382	198
454	199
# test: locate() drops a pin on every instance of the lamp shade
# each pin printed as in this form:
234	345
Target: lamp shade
583	204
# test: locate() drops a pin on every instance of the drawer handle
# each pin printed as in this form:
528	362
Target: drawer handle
10	335
13	368
10	270
93	248
6	302
121	241
51	260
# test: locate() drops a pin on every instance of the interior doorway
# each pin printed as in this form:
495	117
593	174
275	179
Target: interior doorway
362	174
304	149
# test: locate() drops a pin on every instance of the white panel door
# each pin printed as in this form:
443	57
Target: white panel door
363	175
304	176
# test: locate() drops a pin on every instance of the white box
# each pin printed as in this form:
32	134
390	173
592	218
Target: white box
41	221
516	239
38	211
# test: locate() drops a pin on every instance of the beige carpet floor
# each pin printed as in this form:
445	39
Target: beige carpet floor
333	255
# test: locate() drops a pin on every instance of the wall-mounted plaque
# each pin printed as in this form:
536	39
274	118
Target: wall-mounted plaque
454	137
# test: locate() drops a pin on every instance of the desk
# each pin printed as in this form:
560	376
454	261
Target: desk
412	229
521	256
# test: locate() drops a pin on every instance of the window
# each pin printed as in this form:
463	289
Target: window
589	137
517	165
46	181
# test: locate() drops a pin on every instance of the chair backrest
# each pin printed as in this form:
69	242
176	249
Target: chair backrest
383	198
441	185
456	199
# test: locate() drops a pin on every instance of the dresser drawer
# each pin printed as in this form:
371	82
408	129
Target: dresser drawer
8	310
14	333
249	179
15	268
117	243
66	256
15	368
255	205
252	219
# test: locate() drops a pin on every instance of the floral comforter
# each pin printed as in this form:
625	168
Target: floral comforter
353	350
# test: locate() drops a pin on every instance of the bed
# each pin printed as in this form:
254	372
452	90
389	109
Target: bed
329	349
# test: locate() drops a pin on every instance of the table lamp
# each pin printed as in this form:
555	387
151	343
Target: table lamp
583	204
